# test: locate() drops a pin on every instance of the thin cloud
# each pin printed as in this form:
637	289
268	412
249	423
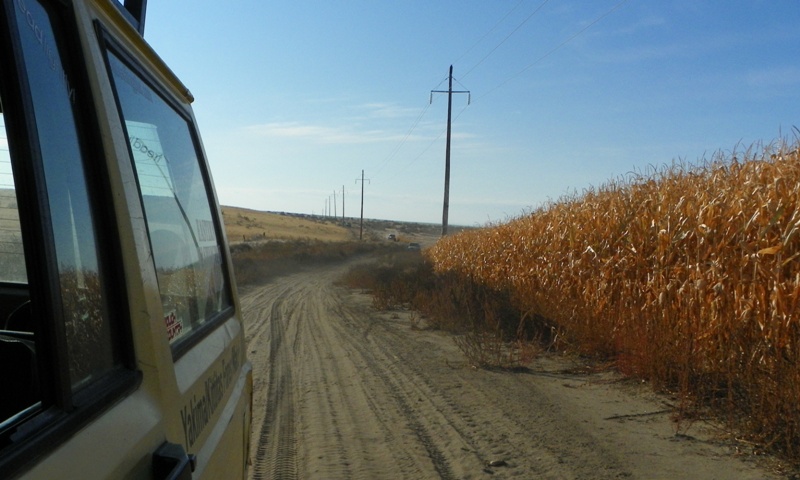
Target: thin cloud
647	23
662	51
320	133
386	110
785	76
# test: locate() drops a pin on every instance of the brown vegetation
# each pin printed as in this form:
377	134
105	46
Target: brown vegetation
686	276
258	263
242	224
488	328
265	245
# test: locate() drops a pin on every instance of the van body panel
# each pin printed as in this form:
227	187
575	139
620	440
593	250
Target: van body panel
208	376
196	394
112	446
224	453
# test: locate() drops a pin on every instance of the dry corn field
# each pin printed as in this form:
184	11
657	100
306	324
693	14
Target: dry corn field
688	276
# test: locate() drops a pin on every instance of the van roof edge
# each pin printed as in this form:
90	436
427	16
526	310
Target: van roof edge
134	12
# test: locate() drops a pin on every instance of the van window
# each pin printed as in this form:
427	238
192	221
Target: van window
18	369
12	258
55	107
186	245
62	352
55	101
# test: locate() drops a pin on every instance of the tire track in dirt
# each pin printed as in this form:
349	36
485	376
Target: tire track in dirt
276	443
343	398
343	391
480	441
356	414
321	384
359	374
404	391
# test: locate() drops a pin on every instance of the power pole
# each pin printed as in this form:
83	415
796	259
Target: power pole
343	205
449	92
361	231
334	206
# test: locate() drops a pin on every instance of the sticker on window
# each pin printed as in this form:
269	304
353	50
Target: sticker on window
174	325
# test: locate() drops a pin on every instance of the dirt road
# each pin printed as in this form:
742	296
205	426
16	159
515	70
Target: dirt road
345	392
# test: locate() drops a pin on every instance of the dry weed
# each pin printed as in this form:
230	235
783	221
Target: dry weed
688	275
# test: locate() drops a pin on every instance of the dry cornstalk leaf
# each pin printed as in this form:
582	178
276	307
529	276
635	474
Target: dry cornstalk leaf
770	250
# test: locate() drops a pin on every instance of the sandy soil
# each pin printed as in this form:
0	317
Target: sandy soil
345	392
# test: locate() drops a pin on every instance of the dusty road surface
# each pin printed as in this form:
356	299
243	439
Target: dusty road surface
345	392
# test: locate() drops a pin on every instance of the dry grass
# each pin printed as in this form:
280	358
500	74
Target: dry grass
686	276
242	224
488	329
266	245
256	263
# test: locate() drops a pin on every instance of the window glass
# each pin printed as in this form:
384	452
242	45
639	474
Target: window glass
12	260
18	370
186	248
55	108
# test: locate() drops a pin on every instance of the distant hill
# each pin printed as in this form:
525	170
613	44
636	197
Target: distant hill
242	224
246	225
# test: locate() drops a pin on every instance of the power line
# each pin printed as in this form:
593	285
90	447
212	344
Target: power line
558	47
553	50
503	83
397	148
506	38
488	32
420	154
432	142
419	117
405	138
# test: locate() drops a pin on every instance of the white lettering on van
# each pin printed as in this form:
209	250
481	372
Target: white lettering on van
197	414
45	45
38	33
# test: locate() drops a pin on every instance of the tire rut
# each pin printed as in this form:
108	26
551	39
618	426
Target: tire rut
276	453
318	370
343	391
402	398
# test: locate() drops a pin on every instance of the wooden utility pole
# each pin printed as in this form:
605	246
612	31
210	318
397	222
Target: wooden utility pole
361	231
334	206
449	92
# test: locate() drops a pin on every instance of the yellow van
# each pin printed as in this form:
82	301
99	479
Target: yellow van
121	345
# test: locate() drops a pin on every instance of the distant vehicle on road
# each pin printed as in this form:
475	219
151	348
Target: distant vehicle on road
392	237
414	246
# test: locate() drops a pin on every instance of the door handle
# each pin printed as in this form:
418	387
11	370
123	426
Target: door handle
171	462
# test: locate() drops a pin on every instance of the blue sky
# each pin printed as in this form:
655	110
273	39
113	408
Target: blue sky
294	99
